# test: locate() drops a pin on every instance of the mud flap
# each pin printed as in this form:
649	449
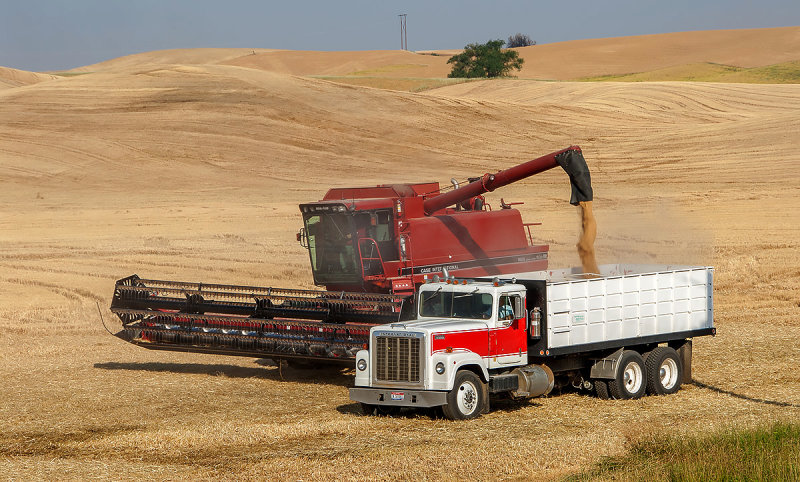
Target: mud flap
606	368
486	405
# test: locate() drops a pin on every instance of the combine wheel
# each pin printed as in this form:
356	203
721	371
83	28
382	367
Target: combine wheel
630	381
664	371
467	398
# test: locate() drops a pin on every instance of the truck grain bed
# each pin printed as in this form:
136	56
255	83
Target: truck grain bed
625	304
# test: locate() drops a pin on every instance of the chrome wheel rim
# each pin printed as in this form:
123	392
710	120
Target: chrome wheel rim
467	398
632	377
668	373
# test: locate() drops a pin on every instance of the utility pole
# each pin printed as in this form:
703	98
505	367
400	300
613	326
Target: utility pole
403	32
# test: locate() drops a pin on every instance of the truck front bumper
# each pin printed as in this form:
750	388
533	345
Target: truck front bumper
398	397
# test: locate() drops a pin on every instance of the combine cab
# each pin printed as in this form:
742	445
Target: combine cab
370	248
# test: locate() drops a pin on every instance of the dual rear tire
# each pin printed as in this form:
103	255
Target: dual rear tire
665	371
658	372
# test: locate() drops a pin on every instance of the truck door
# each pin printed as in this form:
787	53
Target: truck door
508	339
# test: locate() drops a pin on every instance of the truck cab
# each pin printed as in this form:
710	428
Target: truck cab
461	327
622	333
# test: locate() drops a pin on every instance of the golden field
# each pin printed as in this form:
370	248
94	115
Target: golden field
189	165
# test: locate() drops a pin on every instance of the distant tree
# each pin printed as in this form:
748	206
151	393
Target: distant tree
485	60
520	40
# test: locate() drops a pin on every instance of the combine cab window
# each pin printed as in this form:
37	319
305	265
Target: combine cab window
477	306
332	248
377	226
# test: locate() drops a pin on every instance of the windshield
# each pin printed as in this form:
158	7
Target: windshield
330	243
447	304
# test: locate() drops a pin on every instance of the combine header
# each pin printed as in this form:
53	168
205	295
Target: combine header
248	320
371	247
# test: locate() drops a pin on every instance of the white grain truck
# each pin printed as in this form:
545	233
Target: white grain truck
622	334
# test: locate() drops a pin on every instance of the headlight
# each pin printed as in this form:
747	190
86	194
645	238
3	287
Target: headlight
440	368
362	364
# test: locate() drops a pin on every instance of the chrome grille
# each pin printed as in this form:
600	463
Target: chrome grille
397	359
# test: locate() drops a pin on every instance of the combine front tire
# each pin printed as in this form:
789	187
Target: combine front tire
664	371
467	398
630	381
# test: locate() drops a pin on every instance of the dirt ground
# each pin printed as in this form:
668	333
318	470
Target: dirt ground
194	172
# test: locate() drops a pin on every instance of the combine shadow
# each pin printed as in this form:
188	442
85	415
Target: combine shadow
326	376
744	397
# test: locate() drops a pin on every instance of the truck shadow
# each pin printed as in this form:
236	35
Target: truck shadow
325	375
744	397
355	409
508	405
504	405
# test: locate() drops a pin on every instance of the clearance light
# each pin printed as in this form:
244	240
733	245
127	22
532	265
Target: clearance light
449	349
365	347
464	282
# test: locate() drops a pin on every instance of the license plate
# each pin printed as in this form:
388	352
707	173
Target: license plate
398	395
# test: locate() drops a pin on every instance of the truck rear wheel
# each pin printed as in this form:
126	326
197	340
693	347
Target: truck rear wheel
630	381
601	388
466	399
664	371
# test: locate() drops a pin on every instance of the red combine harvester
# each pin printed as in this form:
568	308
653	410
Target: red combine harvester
370	247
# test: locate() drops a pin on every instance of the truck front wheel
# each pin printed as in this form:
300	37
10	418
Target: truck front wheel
467	398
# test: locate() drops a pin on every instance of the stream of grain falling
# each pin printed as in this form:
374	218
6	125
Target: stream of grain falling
586	241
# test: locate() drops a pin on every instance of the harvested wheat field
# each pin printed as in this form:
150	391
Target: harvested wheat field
193	171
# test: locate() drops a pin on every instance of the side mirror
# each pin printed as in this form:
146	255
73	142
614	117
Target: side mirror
519	311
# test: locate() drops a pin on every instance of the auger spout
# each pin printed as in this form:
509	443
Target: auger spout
570	158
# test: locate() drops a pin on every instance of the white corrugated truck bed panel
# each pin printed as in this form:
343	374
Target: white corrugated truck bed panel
629	301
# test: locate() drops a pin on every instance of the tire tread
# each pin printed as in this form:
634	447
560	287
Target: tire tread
652	363
616	386
601	388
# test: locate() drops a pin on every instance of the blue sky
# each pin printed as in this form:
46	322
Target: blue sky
54	35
